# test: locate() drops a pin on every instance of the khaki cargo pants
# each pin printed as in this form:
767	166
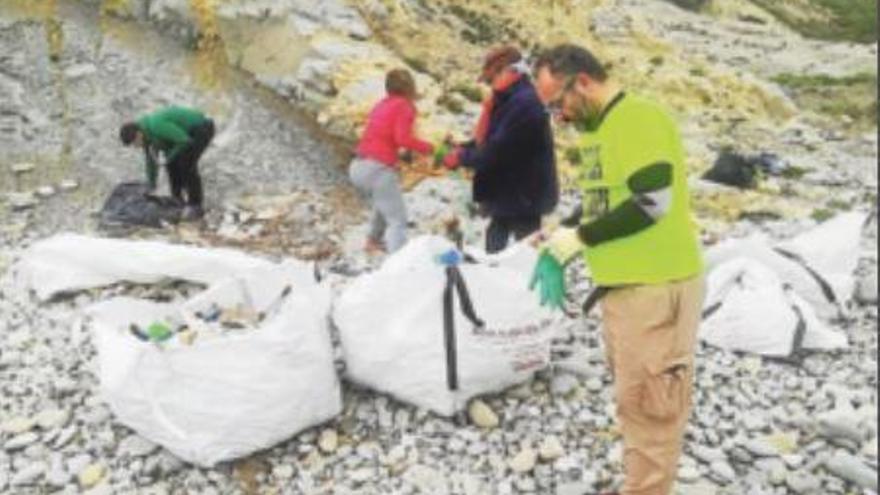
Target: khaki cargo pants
650	335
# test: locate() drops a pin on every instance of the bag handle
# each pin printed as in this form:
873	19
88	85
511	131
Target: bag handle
455	284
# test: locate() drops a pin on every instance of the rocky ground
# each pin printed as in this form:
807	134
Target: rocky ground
69	77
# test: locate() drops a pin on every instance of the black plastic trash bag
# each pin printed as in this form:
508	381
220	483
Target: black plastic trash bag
733	169
130	205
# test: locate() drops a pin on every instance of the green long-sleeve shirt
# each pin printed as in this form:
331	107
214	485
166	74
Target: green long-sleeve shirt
167	131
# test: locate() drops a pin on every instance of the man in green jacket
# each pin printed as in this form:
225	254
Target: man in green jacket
642	250
181	135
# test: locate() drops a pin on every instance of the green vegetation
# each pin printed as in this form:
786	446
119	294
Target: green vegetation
656	61
853	96
834	20
450	103
821	214
800	81
472	93
417	64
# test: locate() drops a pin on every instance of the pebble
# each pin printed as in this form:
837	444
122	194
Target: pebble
45	191
524	461
64	437
707	454
760	448
283	472
68	185
328	442
866	291
849	468
22	167
22	201
841	423
16	426
482	415
91	475
29	474
722	471
136	446
594	385
803	483
688	474
563	384
21	441
52	418
551	449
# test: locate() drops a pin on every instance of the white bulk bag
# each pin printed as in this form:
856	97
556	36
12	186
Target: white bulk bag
391	323
749	309
231	395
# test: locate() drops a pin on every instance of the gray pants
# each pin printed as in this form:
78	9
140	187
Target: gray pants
380	185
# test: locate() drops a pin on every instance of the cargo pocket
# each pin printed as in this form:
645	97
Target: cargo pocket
666	391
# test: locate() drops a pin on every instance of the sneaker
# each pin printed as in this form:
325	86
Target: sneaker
192	214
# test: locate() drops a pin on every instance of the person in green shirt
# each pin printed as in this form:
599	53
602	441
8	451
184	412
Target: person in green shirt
641	247
180	135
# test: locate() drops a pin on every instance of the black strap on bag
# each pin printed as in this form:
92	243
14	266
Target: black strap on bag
455	285
827	291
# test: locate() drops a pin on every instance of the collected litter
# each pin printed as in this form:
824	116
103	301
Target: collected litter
238	368
772	299
435	327
742	171
130	204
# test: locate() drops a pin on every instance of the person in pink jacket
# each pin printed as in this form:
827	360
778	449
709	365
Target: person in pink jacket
375	171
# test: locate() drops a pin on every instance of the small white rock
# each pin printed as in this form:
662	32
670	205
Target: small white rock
91	475
482	415
524	461
328	441
52	418
68	185
45	191
22	167
551	449
16	426
21	441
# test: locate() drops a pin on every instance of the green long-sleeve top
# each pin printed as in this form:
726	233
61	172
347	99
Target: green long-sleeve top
167	130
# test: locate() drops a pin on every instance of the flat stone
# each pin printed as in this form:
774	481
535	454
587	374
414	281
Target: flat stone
68	185
21	441
64	437
551	449
803	483
841	423
722	471
482	415
29	474
866	290
22	201
849	468
707	454
136	446
22	167
328	441
45	191
52	418
760	448
16	426
524	461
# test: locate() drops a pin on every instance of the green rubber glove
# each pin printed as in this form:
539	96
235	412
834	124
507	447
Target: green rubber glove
440	152
549	278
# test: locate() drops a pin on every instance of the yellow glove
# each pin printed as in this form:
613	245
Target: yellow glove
564	244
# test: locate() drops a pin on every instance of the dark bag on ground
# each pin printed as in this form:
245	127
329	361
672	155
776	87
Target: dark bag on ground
130	205
733	169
